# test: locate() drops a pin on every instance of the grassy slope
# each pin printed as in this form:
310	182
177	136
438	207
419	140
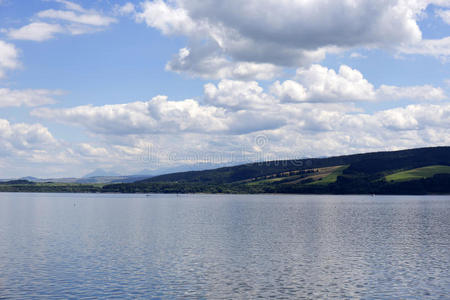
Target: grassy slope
330	178
419	173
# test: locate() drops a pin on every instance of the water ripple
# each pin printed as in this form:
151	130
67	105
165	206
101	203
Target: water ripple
223	247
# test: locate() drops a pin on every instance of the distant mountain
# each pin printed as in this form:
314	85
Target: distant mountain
101	173
144	172
182	168
16	182
112	179
29	178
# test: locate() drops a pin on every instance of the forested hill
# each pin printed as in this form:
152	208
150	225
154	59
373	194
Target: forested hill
367	163
414	171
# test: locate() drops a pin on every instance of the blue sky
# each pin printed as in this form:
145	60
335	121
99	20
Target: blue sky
127	86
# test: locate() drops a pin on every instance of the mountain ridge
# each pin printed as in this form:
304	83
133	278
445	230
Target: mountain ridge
411	171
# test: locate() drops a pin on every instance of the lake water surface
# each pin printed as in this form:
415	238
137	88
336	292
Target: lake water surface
224	246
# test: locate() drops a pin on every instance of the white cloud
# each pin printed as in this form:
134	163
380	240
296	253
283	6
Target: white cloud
76	20
71	5
414	117
309	131
170	20
238	95
21	136
202	64
314	113
126	9
325	84
161	116
30	149
320	84
439	48
93	19
91	151
170	134
277	33
9	58
289	91
37	31
444	15
300	24
248	41
155	116
317	100
357	55
441	3
424	92
29	97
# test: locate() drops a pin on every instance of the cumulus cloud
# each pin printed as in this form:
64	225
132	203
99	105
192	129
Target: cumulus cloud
424	92
31	149
29	97
307	130
169	133
209	54
159	116
168	19
75	20
22	136
325	84
320	84
202	63
414	117
314	112
265	34
439	48
238	95
154	116
317	98
9	58
88	150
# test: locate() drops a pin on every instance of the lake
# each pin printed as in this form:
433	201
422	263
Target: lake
224	246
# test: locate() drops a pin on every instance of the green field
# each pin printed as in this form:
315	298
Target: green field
424	172
330	178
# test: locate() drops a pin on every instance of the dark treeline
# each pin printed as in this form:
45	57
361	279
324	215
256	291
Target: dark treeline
359	163
365	174
438	184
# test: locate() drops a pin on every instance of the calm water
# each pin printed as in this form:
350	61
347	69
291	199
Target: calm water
209	246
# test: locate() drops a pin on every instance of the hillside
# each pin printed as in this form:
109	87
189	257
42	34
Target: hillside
349	174
414	171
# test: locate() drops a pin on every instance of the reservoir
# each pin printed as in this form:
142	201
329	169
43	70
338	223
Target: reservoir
224	246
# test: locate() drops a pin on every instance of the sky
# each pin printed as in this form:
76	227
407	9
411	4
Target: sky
159	85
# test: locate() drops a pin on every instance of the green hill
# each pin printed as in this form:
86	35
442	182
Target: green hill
349	174
359	163
413	171
419	173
